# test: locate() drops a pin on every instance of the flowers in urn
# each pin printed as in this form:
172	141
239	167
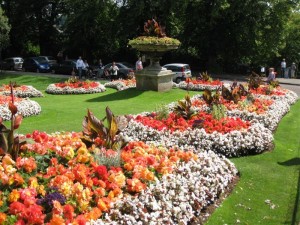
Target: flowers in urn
154	34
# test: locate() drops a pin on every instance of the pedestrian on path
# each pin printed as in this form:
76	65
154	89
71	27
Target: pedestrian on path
283	68
79	66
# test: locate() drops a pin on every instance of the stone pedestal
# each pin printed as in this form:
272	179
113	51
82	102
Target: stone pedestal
154	79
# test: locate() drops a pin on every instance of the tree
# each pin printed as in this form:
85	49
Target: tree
4	31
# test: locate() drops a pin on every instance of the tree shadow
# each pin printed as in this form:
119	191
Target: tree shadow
120	95
291	162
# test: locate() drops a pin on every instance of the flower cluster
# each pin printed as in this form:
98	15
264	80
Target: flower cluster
250	132
178	197
25	106
22	91
79	87
121	84
200	85
57	180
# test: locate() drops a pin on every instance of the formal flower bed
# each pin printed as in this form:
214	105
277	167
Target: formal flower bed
57	179
228	136
121	84
200	85
25	106
22	91
277	93
78	87
266	110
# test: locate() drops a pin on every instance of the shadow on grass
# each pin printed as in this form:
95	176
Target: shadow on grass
291	162
120	95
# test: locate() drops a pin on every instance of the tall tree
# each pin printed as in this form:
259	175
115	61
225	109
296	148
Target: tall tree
4	31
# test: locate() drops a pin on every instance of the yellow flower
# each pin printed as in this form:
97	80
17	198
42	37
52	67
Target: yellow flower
117	178
33	183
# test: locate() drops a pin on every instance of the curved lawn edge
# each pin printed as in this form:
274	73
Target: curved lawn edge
267	188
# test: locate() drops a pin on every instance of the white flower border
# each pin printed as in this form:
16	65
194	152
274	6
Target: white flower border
177	198
28	93
53	89
197	87
26	108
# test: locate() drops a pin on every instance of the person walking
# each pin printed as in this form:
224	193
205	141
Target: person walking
283	68
113	71
79	66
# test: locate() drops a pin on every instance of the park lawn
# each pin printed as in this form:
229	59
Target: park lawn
270	177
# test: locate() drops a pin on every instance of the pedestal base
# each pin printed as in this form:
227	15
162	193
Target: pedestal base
154	79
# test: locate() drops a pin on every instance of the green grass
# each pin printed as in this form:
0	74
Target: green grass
272	175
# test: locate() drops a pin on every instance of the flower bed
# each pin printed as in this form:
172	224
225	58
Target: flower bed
58	180
79	87
22	91
266	110
200	85
231	140
178	197
25	106
121	84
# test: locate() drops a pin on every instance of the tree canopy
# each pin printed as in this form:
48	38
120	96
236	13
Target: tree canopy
215	34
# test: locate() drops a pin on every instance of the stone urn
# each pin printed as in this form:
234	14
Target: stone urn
154	77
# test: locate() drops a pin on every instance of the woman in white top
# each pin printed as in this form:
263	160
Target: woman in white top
139	64
114	71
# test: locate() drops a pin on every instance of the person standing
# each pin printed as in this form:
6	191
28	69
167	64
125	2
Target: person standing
114	71
139	64
283	68
293	70
79	66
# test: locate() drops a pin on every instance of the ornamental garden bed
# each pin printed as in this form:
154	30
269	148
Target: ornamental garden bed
75	87
25	106
60	179
22	91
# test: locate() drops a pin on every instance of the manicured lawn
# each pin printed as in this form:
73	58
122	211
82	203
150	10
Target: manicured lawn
266	192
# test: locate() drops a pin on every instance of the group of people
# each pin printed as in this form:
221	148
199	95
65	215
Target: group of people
83	68
287	72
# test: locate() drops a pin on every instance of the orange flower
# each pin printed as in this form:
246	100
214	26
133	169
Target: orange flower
56	220
135	185
18	179
14	195
117	178
57	208
7	160
94	214
2	217
101	204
